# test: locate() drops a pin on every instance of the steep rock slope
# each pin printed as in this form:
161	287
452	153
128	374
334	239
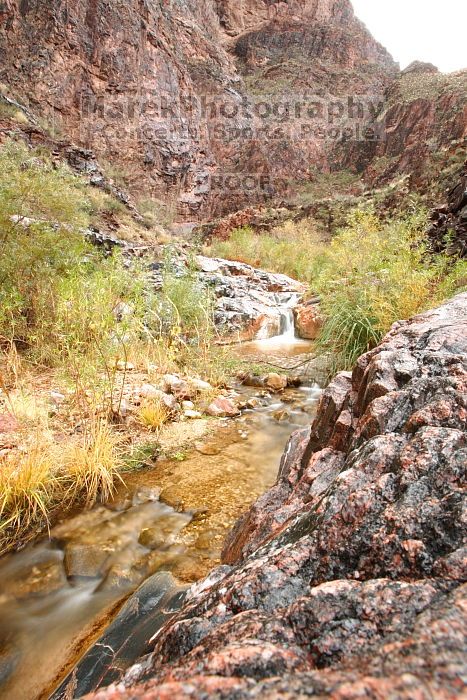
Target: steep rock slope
348	576
136	81
423	129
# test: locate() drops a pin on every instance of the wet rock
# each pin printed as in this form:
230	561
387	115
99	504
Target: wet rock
208	448
222	408
248	300
141	617
146	494
349	574
42	574
281	415
152	538
276	382
253	380
308	321
252	403
87	560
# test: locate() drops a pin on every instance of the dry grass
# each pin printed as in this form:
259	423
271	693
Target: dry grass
28	484
294	248
91	468
153	415
49	475
29	408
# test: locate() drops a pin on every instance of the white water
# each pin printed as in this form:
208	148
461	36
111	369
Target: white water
287	325
286	342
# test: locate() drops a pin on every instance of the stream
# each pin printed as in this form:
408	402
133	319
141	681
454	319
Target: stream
163	531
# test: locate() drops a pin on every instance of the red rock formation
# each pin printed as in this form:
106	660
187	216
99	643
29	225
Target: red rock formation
422	130
143	83
308	320
348	576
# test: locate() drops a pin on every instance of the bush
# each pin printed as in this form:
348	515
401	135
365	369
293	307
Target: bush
294	249
375	273
187	304
58	295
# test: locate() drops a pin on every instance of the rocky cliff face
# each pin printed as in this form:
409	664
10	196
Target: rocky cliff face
422	127
216	104
346	580
169	91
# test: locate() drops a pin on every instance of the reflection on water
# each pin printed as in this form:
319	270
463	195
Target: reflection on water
281	346
58	596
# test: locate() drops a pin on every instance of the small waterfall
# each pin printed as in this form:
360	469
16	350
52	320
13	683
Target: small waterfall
287	324
280	328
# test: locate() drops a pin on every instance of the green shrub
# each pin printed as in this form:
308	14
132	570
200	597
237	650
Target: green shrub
187	304
57	293
376	273
294	249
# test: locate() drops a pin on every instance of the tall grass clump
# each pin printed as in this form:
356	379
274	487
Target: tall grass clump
27	487
294	249
375	273
91	467
46	477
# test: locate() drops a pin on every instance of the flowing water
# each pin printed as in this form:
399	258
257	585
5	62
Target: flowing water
163	531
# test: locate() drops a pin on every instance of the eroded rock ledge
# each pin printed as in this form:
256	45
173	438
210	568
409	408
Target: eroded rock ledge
345	579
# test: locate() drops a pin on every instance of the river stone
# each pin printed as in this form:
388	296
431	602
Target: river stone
192	415
200	385
179	388
149	391
146	494
222	408
41	574
276	382
208	448
253	380
87	560
171	403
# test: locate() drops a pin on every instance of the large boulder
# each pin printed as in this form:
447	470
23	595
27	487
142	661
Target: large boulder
347	579
308	320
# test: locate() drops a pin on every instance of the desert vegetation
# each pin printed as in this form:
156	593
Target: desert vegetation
75	326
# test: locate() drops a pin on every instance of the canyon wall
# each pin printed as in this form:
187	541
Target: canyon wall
218	104
168	91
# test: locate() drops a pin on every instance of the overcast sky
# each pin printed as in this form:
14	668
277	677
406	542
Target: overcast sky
427	30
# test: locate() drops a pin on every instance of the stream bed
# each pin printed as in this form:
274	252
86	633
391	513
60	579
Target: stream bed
163	531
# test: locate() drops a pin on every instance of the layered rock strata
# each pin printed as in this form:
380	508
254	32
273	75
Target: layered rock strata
182	97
